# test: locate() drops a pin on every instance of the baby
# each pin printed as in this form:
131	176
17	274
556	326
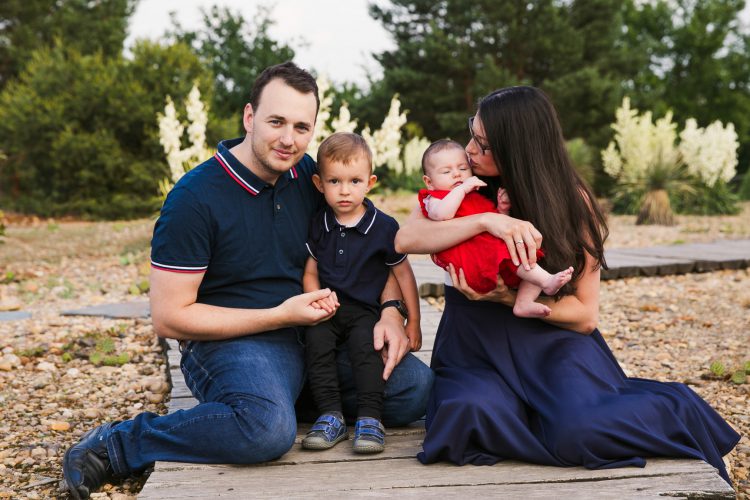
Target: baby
451	192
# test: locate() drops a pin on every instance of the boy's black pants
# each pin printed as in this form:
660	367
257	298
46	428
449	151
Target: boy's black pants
351	326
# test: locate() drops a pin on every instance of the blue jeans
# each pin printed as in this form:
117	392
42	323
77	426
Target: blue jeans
247	388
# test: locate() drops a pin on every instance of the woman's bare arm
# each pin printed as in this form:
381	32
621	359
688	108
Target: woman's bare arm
578	312
422	235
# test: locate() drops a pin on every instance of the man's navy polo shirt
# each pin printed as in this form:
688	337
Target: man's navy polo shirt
354	261
247	236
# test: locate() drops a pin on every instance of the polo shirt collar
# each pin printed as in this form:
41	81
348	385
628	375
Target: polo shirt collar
364	224
241	174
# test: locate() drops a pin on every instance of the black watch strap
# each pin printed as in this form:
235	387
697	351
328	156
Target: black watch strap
398	304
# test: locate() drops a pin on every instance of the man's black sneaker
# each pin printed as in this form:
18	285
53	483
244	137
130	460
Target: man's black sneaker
86	466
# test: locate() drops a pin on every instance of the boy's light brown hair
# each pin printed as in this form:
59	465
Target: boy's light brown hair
343	147
436	147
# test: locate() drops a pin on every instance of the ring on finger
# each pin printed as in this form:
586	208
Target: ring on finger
519	242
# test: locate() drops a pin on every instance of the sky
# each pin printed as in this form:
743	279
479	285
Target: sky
332	37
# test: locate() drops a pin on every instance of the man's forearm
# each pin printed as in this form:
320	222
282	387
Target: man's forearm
206	322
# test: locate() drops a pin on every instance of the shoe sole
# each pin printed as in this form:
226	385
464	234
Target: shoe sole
322	444
68	481
368	448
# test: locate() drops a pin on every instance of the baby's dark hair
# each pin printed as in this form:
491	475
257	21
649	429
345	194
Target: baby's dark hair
436	147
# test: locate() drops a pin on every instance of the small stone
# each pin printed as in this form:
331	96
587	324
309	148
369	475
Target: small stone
59	426
46	366
39	453
72	372
154	398
92	413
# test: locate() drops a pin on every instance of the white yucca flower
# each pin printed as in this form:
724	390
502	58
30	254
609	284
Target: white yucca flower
344	122
413	151
171	130
321	130
170	135
710	153
386	141
639	144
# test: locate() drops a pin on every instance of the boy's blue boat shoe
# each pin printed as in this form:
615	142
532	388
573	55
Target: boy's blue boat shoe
325	433
369	436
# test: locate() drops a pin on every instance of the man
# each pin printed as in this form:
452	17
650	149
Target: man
227	258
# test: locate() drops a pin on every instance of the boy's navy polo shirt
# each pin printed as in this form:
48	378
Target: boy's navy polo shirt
247	236
354	261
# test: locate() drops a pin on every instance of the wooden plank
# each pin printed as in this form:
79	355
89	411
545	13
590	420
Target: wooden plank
393	477
707	257
628	264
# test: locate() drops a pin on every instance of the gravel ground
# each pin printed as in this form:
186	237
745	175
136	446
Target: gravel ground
53	388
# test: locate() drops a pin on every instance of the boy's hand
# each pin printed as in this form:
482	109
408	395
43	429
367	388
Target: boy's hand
414	333
328	304
503	202
305	309
472	183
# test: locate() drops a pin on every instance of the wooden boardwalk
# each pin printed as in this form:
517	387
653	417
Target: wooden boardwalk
339	473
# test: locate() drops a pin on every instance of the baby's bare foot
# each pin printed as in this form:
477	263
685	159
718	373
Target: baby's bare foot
557	281
531	310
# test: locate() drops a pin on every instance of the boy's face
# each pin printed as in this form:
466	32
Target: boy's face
344	186
447	169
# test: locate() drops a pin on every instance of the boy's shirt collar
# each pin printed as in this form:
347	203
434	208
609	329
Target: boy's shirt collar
364	224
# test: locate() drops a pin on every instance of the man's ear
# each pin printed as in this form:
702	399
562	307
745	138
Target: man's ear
247	118
318	182
371	182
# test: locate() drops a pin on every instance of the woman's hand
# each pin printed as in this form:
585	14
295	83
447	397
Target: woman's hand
501	293
517	235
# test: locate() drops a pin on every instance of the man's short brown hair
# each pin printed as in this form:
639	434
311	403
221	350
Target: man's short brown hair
343	147
288	72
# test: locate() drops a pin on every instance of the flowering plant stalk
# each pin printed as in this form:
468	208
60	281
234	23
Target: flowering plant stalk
653	173
171	132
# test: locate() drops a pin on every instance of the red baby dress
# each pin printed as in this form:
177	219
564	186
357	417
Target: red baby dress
483	256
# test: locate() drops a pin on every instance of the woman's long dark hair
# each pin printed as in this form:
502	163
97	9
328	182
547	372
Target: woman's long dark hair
526	142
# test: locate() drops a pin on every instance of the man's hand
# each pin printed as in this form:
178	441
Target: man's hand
501	293
389	338
309	308
414	334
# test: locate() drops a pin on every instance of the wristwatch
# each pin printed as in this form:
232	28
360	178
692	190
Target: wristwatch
398	304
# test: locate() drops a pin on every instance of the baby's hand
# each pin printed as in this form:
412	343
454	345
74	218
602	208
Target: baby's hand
472	183
503	202
414	333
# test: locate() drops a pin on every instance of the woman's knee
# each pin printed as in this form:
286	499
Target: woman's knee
568	435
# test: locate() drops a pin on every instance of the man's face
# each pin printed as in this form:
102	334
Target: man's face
280	129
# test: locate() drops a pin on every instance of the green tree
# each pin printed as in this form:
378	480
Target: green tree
80	131
451	52
697	65
236	52
89	27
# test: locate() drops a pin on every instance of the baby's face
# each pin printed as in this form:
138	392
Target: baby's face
447	169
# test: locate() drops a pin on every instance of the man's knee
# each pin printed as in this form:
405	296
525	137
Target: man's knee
267	432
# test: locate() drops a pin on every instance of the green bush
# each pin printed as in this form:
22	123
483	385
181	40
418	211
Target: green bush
744	190
80	131
582	156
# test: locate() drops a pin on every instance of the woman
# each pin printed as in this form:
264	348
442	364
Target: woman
543	391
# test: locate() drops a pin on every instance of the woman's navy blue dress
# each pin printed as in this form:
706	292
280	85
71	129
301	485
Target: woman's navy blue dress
516	388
